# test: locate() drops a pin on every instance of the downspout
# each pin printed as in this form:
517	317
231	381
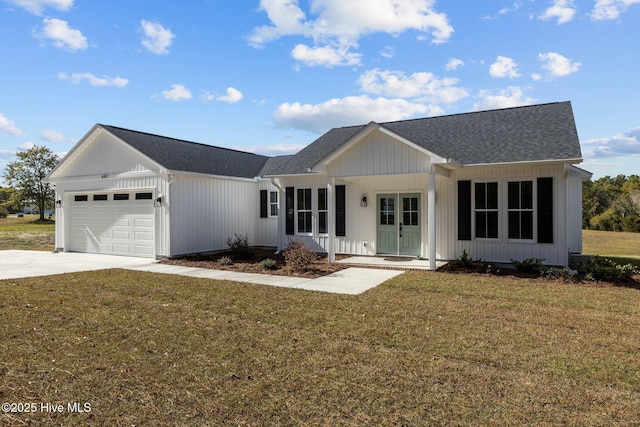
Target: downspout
280	210
171	177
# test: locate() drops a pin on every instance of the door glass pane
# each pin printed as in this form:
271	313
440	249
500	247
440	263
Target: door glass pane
391	219
406	218
414	218
414	203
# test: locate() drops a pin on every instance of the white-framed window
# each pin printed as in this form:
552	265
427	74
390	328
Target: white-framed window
303	211
273	203
486	210
323	216
520	209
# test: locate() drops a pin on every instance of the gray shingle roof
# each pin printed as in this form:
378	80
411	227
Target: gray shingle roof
521	134
179	155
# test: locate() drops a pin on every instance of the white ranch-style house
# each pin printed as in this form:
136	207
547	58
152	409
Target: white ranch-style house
500	184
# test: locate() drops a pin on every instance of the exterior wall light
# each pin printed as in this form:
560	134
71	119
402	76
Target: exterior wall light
363	201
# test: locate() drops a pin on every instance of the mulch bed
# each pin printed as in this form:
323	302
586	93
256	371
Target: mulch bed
251	264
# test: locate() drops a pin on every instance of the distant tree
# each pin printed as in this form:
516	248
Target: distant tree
8	200
26	176
612	204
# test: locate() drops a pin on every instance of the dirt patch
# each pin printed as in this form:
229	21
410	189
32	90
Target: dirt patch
251	264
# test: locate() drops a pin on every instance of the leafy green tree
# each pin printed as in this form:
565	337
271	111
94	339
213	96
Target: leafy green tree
26	176
612	204
8	200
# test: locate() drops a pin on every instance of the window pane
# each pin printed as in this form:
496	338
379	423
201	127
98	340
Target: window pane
99	197
83	198
300	198
406	218
301	222
123	196
526	224
383	218
414	203
383	204
391	218
514	195
322	199
391	204
414	218
144	196
307	221
273	197
481	224
406	203
526	195
481	199
322	222
514	225
307	199
492	195
492	225
274	210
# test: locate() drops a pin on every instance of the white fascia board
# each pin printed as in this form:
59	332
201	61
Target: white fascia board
527	163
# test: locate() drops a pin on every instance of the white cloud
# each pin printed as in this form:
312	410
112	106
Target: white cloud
339	24
621	145
562	10
9	126
53	136
558	65
610	9
232	96
177	92
327	56
26	146
94	80
388	52
7	154
62	35
424	86
453	64
157	39
505	98
347	111
37	6
504	67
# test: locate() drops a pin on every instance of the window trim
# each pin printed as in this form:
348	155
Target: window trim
324	211
521	210
273	204
304	211
475	210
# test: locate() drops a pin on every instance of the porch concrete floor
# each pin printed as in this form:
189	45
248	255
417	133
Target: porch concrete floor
390	261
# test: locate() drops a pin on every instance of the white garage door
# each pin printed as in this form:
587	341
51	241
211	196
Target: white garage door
112	223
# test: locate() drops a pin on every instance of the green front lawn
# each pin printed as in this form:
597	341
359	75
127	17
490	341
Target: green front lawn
422	349
27	233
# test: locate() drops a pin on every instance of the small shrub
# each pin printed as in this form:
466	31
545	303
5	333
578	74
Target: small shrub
607	270
491	268
225	260
555	273
529	265
463	260
298	256
268	264
239	246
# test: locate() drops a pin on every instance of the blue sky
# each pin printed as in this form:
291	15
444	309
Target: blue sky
270	76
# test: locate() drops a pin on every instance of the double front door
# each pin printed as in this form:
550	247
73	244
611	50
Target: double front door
398	224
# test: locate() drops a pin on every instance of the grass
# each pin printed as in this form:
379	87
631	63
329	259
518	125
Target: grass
27	233
619	246
422	349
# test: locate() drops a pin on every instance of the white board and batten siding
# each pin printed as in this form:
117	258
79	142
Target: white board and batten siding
205	211
503	249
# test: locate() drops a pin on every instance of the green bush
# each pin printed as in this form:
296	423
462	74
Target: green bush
607	270
225	260
268	264
554	273
529	265
239	246
463	260
298	256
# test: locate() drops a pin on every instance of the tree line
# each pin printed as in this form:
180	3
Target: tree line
611	204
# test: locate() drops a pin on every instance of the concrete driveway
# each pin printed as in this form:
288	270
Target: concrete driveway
15	264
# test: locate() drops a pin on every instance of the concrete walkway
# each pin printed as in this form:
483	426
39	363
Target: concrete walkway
17	264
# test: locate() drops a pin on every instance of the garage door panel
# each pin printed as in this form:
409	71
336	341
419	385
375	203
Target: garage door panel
118	227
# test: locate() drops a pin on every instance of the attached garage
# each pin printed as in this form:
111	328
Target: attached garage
116	223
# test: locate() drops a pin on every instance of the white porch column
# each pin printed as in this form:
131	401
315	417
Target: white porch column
331	227
431	218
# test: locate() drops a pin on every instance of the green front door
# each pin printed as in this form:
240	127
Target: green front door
398	224
409	226
387	224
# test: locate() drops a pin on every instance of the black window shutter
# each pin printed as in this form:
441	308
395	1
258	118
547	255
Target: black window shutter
464	210
289	214
545	210
340	211
263	204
